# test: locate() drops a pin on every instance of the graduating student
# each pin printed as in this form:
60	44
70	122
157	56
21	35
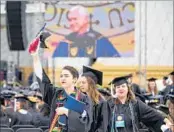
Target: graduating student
56	98
4	119
21	116
123	112
152	87
88	84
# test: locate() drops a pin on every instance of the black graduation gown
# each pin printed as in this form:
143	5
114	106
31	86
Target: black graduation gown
4	120
96	115
18	118
142	112
40	120
75	121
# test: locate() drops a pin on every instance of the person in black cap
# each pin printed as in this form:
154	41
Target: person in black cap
88	85
164	81
123	112
89	81
152	87
20	116
56	98
165	85
4	119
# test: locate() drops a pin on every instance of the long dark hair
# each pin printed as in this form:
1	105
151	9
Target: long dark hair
93	93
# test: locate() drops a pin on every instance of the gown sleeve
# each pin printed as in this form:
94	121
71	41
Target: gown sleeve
104	116
46	88
150	117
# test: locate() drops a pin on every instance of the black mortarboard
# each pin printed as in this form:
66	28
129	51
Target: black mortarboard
119	80
152	79
7	96
172	73
96	75
21	98
43	37
164	108
165	78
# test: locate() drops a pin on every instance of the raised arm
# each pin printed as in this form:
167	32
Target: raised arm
45	85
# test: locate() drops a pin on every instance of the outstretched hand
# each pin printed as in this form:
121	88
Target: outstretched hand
34	46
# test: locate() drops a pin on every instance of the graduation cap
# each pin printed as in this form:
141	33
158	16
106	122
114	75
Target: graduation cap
172	73
152	79
7	96
96	75
165	78
43	37
21	98
119	80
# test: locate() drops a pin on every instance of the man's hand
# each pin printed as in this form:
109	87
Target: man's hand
62	111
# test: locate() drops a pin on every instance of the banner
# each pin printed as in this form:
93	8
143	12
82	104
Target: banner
96	29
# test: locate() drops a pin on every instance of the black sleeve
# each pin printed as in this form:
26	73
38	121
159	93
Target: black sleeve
78	123
150	117
103	118
46	88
